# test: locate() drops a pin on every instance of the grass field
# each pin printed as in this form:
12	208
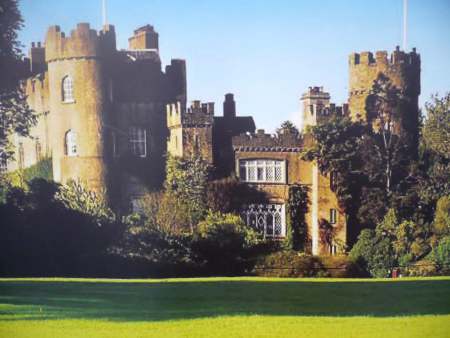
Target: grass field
225	307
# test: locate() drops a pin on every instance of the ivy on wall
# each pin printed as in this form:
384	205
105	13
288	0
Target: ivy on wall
297	208
21	177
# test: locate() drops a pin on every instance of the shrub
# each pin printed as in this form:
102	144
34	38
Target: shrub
374	253
224	242
441	225
441	255
294	264
289	264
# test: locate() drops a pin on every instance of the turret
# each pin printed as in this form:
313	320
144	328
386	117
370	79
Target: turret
144	38
317	108
36	55
76	85
190	130
403	70
176	81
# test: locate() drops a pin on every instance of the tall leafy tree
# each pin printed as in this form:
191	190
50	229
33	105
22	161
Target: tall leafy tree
186	181
386	148
436	130
15	115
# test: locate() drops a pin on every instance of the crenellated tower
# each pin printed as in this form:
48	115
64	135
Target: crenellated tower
191	130
317	108
402	68
77	95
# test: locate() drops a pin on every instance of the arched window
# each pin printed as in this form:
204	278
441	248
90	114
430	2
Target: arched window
71	143
67	89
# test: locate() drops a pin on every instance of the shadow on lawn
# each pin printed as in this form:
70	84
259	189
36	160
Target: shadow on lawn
185	300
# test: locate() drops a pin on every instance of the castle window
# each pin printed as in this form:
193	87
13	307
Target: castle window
67	89
38	149
71	143
21	156
137	137
262	171
269	219
333	178
333	216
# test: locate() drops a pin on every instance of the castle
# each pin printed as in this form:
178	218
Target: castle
108	117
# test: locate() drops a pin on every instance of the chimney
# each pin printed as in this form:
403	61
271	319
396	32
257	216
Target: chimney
229	106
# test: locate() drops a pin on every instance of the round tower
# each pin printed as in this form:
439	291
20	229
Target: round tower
77	105
403	69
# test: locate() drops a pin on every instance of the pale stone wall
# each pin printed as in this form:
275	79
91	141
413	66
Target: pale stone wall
403	69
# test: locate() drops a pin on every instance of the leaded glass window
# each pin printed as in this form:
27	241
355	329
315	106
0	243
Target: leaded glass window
67	89
269	219
262	170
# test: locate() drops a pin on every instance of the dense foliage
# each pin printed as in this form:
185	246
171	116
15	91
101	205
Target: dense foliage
297	208
15	115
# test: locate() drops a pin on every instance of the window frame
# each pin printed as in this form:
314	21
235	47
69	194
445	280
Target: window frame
333	216
257	217
265	166
71	143
67	89
134	140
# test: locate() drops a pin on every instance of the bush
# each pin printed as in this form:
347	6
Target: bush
374	253
224	242
423	268
294	264
441	255
289	264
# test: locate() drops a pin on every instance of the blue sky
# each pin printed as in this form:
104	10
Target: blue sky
266	52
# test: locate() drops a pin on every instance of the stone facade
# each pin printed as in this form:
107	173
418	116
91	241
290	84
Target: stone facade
109	117
113	96
403	70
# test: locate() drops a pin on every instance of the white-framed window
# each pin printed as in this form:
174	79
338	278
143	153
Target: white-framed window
71	143
67	89
137	137
333	216
262	170
267	218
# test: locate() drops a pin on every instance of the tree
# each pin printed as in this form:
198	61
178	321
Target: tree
385	149
441	224
75	196
436	129
337	150
15	114
186	181
287	127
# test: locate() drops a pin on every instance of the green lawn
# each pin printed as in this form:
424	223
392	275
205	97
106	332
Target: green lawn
225	307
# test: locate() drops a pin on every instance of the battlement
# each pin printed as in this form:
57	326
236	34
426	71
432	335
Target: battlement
397	57
198	114
261	141
83	42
